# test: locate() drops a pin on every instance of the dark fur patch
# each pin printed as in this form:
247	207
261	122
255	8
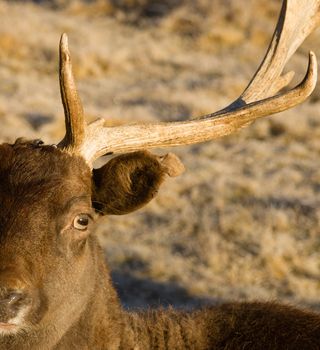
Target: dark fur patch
127	182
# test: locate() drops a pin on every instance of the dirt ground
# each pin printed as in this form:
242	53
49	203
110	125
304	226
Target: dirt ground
242	223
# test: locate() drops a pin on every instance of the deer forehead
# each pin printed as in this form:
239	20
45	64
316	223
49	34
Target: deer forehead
34	180
22	165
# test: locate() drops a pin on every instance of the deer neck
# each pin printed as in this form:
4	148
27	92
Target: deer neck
164	329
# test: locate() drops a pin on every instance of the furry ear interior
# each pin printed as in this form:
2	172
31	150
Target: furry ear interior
129	181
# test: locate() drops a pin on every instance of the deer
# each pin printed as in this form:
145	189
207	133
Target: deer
55	287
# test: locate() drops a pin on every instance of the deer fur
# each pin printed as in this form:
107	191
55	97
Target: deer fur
72	303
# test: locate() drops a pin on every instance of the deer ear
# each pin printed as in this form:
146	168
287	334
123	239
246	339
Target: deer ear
129	181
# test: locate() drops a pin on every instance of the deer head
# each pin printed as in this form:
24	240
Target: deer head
49	200
50	261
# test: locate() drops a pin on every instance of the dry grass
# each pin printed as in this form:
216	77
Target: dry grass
243	221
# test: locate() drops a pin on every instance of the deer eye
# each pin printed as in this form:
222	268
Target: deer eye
81	222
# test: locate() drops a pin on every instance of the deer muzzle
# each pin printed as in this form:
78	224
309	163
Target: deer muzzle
15	303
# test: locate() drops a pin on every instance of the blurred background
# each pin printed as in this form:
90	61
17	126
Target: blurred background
242	223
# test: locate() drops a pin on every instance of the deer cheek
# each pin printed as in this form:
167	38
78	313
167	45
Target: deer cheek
73	242
79	246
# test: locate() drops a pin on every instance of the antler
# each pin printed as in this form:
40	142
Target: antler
73	110
298	18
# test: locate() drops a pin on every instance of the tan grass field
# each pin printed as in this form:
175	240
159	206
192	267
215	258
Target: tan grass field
242	223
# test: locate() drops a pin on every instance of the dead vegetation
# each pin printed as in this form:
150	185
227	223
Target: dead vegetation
243	221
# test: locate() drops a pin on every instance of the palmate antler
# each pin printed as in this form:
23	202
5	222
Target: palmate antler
298	18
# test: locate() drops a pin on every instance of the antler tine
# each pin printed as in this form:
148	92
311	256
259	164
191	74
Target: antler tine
298	18
296	21
73	110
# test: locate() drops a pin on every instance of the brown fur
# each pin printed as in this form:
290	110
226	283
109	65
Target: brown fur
127	182
62	269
